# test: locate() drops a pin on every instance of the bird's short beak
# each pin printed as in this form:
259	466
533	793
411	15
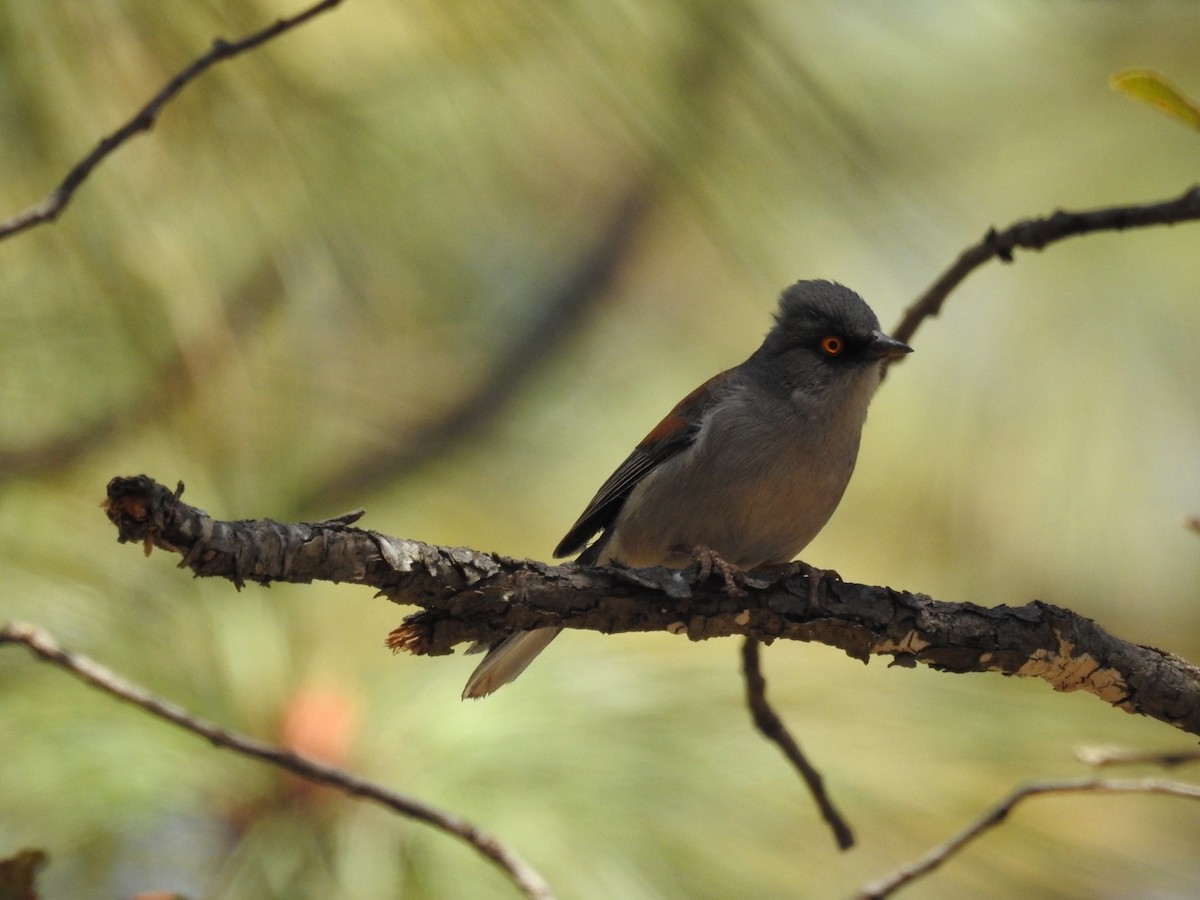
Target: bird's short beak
884	347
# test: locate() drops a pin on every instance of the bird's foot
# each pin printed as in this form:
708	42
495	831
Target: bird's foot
709	561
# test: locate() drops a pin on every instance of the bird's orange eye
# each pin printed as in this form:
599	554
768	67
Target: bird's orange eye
832	345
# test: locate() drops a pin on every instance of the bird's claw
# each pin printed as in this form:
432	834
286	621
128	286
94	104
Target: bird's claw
709	561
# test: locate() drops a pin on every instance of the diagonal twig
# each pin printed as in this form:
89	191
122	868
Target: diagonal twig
885	887
1035	234
143	120
45	647
768	722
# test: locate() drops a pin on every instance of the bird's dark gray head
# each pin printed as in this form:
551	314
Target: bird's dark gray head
830	321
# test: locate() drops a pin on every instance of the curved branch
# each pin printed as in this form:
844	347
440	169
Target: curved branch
885	887
1035	234
767	721
42	645
143	120
470	596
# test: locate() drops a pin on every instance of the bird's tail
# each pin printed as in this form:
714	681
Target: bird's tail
507	660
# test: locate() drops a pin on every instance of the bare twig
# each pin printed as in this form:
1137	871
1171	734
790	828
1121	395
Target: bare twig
45	647
1108	756
143	120
1035	234
768	722
885	887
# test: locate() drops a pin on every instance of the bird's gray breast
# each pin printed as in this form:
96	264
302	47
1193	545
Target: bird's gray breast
761	480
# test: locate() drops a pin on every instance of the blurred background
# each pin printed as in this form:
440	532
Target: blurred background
449	261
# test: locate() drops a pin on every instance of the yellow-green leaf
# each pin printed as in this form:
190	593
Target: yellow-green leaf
1150	87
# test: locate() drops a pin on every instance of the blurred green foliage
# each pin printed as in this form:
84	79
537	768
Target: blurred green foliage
325	245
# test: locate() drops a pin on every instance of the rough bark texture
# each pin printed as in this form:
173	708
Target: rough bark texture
468	596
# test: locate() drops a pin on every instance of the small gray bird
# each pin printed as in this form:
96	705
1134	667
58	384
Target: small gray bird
748	467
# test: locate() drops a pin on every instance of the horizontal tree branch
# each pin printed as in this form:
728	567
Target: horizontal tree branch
468	596
46	648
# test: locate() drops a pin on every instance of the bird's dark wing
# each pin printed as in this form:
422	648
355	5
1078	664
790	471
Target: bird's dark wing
670	436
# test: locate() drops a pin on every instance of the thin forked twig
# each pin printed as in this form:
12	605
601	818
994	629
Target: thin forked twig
45	647
50	208
768	722
885	887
